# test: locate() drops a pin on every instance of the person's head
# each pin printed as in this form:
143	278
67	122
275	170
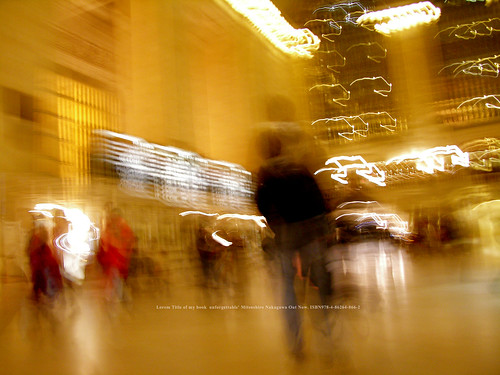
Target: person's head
116	213
280	109
41	230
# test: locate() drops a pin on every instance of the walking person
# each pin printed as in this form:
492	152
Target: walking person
292	203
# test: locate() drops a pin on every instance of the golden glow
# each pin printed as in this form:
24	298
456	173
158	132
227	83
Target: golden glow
77	109
267	19
389	21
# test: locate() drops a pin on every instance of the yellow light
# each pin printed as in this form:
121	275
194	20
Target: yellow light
76	243
392	20
267	19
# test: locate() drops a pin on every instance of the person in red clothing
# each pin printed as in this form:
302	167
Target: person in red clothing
45	273
115	250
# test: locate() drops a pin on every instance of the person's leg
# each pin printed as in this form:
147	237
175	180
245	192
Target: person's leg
291	312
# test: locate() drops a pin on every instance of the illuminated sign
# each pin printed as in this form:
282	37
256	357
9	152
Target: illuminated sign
174	176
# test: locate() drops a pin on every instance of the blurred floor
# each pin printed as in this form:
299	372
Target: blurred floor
432	314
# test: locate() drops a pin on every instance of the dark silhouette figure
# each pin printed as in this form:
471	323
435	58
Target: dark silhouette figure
45	273
291	201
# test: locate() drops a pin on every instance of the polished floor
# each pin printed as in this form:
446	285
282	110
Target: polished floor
395	312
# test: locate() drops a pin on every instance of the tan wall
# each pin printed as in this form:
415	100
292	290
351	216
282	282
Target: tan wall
199	75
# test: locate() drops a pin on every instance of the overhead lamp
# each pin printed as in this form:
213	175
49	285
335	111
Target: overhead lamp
389	21
267	19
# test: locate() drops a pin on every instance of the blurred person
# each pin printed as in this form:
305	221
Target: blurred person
217	250
116	246
207	252
293	205
45	273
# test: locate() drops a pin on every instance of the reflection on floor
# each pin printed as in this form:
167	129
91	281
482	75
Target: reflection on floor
392	314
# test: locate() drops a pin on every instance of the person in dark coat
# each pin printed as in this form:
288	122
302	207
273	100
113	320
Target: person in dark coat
45	273
293	205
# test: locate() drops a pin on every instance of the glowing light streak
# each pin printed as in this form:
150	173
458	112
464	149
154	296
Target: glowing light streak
486	204
360	123
343	163
375	57
259	220
75	244
344	7
221	240
474	29
486	66
390	221
342	205
389	21
350	16
495	104
330	22
267	19
433	159
342	59
330	36
380	92
487	153
186	213
346	93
